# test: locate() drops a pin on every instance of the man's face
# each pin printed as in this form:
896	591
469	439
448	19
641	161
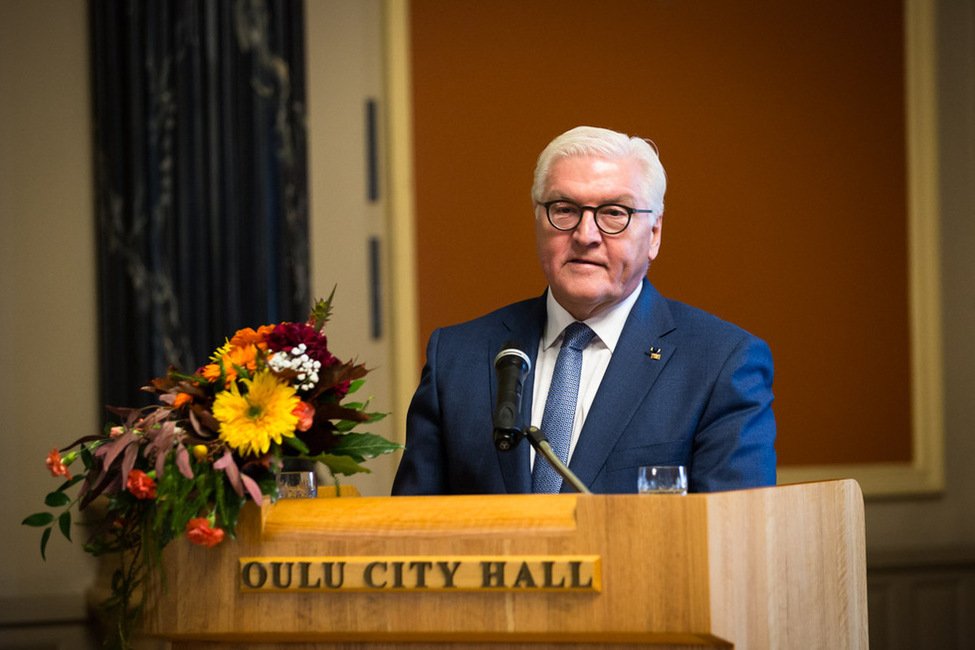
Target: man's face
589	271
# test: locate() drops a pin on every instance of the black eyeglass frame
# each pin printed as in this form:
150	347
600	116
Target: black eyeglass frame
595	212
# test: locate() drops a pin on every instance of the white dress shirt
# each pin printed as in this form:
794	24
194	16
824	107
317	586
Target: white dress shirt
608	325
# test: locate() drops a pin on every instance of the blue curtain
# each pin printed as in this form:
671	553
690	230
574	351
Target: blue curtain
201	179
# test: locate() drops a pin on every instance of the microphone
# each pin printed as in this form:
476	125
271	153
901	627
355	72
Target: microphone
512	365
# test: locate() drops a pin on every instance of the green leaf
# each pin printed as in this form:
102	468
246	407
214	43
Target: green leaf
228	505
38	519
269	486
44	540
242	371
64	522
343	426
322	311
87	458
297	443
355	385
72	481
364	445
56	499
222	380
340	464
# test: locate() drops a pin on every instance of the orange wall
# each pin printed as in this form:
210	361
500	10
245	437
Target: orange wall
781	126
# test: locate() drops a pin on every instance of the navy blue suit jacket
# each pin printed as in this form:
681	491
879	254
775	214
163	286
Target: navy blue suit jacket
706	403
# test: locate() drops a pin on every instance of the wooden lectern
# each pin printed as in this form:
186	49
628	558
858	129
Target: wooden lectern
780	567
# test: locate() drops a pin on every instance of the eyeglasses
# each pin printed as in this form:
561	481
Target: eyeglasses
611	218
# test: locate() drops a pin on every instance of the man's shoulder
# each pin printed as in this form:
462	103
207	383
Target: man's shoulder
515	313
694	321
465	345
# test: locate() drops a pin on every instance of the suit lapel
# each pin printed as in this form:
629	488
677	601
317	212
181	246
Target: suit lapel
524	328
637	361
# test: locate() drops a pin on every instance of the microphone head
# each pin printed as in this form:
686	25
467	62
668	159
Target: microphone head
511	365
511	353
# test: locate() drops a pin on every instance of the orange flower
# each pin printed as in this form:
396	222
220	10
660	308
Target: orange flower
306	415
199	531
57	467
211	371
248	337
244	356
141	485
182	399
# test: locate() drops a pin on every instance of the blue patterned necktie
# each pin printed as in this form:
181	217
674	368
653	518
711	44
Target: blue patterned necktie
560	407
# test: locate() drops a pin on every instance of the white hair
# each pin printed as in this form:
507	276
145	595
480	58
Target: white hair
589	141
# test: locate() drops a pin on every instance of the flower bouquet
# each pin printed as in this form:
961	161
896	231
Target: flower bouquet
218	438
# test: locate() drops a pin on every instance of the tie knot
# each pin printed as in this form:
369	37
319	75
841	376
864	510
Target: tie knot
577	336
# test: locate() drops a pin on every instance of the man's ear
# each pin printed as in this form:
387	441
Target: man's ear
655	242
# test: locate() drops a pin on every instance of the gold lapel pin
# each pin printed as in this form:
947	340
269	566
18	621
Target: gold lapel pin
655	354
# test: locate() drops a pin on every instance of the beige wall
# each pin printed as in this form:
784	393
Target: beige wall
343	220
47	299
48	356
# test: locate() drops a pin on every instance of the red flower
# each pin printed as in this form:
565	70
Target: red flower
200	532
55	465
141	485
341	389
289	335
306	415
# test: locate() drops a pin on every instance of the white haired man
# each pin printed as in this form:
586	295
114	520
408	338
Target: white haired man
660	383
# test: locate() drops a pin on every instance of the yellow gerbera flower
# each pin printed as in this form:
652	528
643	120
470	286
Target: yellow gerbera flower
250	421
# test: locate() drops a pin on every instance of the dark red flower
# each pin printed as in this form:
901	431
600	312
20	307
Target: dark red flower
141	485
289	335
341	389
199	531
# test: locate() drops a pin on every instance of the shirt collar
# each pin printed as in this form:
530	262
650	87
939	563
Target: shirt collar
608	324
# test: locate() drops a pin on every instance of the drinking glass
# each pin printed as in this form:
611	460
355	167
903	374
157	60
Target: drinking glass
297	485
662	479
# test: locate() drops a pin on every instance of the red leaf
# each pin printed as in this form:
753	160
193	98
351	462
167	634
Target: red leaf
160	445
195	422
183	461
160	465
205	425
109	453
253	489
128	459
227	464
112	487
113	449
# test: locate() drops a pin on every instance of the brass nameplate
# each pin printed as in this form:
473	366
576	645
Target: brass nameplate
548	573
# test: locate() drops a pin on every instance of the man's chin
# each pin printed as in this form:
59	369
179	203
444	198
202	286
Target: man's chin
583	304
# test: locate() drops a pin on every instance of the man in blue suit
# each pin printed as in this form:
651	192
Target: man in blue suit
661	383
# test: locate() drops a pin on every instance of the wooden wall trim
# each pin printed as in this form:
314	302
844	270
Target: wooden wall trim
402	216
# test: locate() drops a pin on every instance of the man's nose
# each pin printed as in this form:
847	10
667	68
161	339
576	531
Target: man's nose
587	230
